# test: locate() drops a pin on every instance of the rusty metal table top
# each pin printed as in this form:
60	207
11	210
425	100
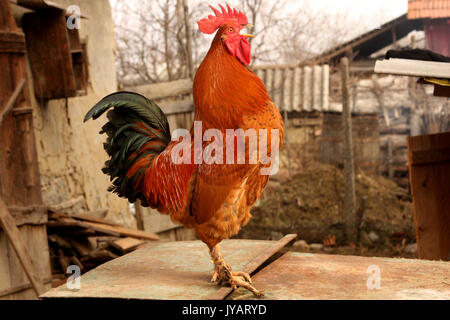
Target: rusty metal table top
161	270
182	270
321	276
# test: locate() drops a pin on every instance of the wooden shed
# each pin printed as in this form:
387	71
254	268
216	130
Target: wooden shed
50	76
24	255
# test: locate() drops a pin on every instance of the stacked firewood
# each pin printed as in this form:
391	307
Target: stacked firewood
87	241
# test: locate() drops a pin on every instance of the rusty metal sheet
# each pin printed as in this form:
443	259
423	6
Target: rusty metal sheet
162	270
319	276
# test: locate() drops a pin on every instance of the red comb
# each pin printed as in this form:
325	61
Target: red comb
212	23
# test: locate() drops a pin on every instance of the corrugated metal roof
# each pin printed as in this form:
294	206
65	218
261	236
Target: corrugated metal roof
294	88
418	9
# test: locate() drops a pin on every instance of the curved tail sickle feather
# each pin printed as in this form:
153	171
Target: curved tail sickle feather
137	132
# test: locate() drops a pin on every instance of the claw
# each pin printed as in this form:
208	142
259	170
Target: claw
215	276
243	275
223	275
248	286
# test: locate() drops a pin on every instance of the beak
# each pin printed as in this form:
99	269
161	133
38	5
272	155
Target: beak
246	34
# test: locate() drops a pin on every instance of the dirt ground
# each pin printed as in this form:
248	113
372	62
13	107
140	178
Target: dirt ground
311	205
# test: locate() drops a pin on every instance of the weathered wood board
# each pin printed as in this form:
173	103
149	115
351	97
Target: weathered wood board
14	283
19	173
429	168
18	244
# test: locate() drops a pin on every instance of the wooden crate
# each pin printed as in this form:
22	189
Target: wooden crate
429	171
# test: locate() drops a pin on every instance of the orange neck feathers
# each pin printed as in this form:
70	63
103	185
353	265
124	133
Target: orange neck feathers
225	90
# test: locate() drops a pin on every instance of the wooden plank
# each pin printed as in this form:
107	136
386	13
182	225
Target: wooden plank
431	196
83	247
163	89
177	106
49	54
66	204
255	263
122	231
71	224
35	215
19	288
5	279
11	230
127	244
430	156
87	217
441	91
139	215
13	42
12	100
418	68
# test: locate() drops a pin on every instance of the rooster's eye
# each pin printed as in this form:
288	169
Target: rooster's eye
230	30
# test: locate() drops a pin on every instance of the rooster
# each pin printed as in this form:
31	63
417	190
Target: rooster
213	198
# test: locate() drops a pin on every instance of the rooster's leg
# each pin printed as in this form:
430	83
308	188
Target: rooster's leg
224	275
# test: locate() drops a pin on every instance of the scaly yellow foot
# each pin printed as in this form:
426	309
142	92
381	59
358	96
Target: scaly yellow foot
223	274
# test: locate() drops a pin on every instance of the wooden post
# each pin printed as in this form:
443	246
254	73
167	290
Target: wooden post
286	141
349	170
394	38
390	159
188	39
139	215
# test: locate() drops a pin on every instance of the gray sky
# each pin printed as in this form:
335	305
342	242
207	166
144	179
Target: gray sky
355	8
365	8
341	21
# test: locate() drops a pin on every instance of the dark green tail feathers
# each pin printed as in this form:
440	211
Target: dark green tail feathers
137	129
